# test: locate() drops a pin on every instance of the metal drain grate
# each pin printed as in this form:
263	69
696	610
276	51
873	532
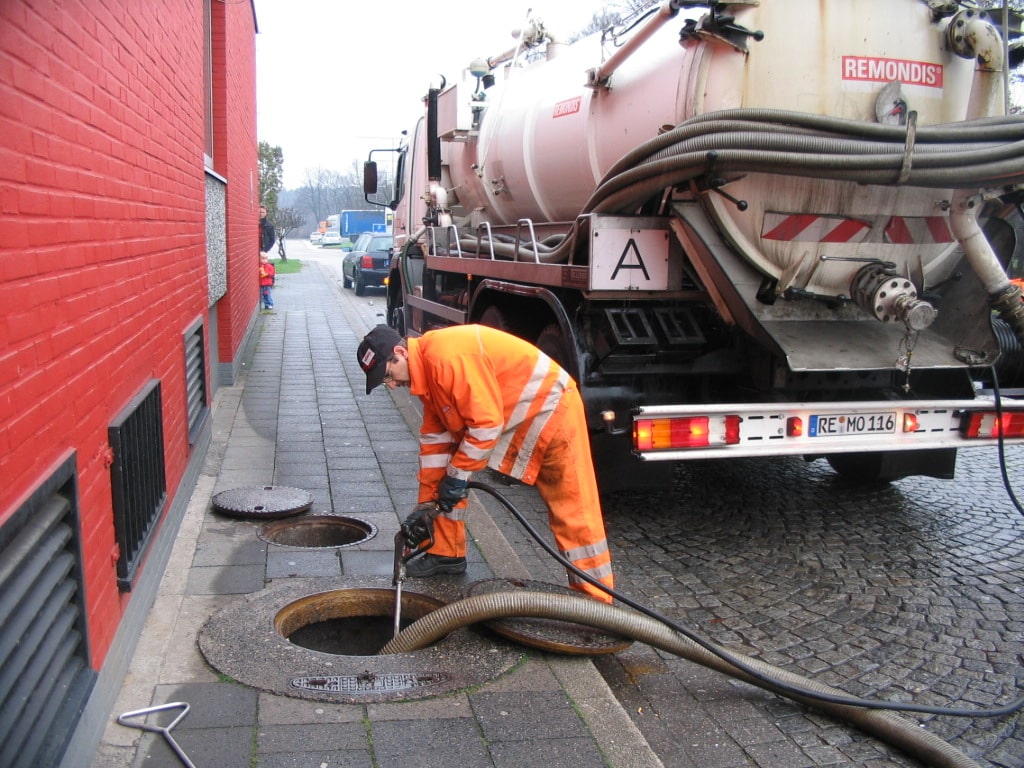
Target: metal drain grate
369	682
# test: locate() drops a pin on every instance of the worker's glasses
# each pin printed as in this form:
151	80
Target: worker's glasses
388	378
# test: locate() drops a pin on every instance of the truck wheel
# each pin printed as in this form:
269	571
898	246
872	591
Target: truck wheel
494	318
861	467
552	344
397	320
886	466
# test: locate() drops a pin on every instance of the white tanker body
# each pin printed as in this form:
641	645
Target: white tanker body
750	233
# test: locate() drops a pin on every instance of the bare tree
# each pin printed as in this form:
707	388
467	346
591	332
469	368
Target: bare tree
284	221
612	14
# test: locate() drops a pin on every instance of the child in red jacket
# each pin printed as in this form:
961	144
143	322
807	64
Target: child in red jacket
267	273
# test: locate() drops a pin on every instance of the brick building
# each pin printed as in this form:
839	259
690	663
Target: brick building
128	260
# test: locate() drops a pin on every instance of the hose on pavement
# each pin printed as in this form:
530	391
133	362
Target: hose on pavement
872	715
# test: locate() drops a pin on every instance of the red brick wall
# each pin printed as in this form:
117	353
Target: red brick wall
102	232
235	156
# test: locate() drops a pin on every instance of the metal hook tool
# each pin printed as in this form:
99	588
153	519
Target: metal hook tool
164	729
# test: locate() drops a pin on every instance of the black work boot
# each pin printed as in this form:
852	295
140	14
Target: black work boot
434	565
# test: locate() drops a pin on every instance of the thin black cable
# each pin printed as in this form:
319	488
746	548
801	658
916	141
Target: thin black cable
1000	443
728	657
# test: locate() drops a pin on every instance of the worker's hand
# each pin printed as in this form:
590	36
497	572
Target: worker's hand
451	492
419	525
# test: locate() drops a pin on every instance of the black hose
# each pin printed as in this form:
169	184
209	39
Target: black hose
987	152
1000	444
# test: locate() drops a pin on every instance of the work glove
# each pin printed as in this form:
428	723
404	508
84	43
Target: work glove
418	527
450	492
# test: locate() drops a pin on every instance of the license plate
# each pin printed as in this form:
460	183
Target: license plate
853	424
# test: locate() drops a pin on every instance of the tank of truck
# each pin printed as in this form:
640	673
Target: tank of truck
544	137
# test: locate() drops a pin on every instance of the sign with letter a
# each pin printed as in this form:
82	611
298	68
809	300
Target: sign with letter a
628	258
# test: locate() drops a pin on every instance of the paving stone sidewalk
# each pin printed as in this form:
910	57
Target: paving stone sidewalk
299	417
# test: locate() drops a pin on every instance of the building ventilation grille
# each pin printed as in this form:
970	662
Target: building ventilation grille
138	479
195	382
45	677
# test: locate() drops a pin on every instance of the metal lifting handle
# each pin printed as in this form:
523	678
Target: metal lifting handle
165	730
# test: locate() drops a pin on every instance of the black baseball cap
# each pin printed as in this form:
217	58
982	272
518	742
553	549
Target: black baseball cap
376	348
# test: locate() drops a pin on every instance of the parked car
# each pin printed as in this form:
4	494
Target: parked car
331	238
315	237
367	263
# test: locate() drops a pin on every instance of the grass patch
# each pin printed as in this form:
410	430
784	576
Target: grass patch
289	267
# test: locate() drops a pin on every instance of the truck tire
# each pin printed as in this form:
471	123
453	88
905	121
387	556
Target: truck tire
859	467
397	320
887	466
494	318
552	344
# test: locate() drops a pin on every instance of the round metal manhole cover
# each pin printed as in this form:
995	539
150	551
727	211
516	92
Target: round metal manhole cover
318	532
265	503
548	634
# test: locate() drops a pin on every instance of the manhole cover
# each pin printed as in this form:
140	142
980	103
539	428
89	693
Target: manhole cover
266	503
548	634
318	532
370	682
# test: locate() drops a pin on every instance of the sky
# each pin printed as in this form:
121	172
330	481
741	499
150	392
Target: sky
336	79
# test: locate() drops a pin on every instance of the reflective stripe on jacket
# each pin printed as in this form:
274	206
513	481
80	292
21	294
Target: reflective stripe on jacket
488	398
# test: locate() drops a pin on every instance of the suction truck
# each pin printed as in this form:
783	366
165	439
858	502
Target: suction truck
747	229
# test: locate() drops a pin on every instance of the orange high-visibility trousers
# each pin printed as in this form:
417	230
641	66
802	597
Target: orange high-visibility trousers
450	533
567	484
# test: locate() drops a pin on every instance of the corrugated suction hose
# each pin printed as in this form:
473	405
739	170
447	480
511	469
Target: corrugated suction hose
889	727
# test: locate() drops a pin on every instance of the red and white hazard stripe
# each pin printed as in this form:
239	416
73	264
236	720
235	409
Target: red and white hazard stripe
918	230
817	228
810	227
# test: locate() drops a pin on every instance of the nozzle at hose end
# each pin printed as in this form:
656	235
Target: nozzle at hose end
398	576
1010	307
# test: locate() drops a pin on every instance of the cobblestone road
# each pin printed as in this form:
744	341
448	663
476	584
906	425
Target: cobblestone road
909	591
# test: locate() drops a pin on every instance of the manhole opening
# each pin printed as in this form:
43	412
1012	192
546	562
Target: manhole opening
349	622
318	531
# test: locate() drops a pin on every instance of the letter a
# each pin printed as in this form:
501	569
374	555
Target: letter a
631	247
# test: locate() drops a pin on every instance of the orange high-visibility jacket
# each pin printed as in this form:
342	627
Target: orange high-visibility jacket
488	398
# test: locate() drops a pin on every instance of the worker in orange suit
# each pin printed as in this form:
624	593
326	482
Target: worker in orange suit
492	399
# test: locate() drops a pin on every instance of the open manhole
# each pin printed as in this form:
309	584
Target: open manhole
351	622
268	502
318	531
318	639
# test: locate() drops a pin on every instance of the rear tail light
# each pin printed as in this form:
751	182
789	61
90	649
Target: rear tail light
366	262
986	424
684	432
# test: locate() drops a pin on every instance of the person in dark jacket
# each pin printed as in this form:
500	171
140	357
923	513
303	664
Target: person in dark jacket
267	236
